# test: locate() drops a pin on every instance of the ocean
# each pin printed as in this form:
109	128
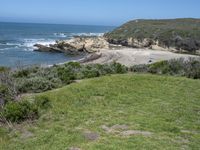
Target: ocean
17	40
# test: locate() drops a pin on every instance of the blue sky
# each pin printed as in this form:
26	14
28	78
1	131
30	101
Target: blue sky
95	12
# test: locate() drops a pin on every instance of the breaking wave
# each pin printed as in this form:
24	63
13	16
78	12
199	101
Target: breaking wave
25	44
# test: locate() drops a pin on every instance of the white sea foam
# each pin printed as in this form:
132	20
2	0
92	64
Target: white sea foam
3	49
10	44
29	43
26	44
62	35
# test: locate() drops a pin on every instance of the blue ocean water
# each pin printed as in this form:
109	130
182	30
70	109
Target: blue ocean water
17	40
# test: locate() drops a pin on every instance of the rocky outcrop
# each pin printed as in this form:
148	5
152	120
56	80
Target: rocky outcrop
177	47
131	42
76	45
91	57
44	48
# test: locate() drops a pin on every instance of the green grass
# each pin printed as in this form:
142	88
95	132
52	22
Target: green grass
151	28
164	106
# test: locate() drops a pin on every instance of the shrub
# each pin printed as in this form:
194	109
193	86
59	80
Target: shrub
140	68
36	84
25	110
89	71
119	68
192	69
42	102
177	67
104	69
170	67
7	86
21	73
4	69
75	65
161	67
66	73
5	95
19	111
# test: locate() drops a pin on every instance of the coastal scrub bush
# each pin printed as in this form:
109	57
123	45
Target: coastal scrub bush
39	79
96	70
21	73
104	69
37	84
170	67
89	71
192	69
5	95
140	68
7	86
74	65
26	72
66	73
119	68
19	111
4	69
161	67
176	67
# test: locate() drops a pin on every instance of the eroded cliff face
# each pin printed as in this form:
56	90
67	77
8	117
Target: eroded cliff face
183	46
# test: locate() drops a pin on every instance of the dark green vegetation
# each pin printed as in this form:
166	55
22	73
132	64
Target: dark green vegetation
24	110
164	109
39	79
178	33
176	67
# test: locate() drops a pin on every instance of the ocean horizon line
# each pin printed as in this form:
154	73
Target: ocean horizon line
13	22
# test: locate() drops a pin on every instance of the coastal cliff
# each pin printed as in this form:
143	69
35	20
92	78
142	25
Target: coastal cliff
177	35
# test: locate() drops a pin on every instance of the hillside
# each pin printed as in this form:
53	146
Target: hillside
179	35
117	112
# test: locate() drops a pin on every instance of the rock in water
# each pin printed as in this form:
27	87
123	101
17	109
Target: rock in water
87	44
43	48
75	45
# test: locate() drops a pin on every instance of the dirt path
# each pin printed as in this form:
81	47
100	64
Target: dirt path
131	56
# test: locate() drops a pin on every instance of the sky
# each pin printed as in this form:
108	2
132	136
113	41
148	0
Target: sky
95	12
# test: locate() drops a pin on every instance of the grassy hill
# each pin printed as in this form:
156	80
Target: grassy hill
115	112
177	33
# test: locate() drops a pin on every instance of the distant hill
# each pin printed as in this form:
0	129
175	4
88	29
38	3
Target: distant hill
180	35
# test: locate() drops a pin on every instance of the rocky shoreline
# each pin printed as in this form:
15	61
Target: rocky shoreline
93	44
75	45
100	50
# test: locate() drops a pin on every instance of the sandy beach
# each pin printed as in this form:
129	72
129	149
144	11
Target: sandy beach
132	56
